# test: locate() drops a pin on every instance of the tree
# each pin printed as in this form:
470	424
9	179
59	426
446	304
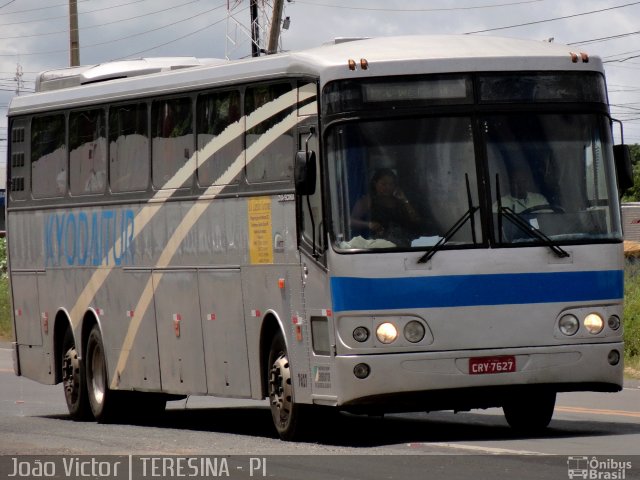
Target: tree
633	194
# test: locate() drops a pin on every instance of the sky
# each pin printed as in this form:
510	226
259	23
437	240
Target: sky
34	34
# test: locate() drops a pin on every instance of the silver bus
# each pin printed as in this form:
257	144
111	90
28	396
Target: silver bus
380	225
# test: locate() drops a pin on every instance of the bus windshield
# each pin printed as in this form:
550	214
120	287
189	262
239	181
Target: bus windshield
410	183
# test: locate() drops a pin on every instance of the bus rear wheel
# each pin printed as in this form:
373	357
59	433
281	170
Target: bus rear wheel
285	412
73	380
101	397
530	412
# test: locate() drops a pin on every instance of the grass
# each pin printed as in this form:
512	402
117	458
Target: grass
632	319
6	331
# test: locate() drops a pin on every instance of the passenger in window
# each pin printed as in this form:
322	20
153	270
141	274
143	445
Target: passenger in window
385	212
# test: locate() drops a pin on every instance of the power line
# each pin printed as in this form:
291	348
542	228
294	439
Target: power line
88	27
604	39
66	16
620	60
620	54
15	12
176	39
126	37
405	10
552	19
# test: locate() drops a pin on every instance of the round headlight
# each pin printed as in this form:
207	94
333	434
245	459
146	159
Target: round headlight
360	334
593	323
386	332
414	331
614	322
568	324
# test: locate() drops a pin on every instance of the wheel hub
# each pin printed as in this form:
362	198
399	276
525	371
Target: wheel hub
280	387
71	374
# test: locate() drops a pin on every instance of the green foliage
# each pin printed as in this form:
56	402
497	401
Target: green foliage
632	312
5	304
633	194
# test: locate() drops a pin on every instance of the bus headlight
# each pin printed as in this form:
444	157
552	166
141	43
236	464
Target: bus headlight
386	332
593	323
568	324
414	331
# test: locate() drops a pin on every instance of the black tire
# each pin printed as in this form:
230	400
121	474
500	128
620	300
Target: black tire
530	412
73	380
288	416
101	398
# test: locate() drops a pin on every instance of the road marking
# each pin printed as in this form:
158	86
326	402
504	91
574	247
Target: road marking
474	448
620	413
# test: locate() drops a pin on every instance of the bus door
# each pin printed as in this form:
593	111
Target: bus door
313	243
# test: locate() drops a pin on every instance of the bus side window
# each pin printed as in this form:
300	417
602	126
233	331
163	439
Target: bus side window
172	141
269	137
48	156
218	136
87	152
128	148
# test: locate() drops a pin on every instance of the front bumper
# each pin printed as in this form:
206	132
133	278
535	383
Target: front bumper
582	367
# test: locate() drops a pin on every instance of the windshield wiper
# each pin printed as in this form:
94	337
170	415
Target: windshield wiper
469	214
532	231
447	236
525	227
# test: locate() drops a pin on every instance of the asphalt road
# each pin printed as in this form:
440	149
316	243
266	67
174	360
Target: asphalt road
597	428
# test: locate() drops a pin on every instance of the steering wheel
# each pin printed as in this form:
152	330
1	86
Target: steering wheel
542	207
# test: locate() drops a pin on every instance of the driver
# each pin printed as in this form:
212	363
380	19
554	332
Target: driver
522	196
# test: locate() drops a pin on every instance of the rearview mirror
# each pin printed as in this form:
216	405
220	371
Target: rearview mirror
624	169
305	172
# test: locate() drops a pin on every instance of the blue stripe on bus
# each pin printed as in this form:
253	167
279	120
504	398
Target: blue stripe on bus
351	293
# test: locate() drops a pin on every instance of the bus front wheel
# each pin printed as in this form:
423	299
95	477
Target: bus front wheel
285	412
73	380
530	412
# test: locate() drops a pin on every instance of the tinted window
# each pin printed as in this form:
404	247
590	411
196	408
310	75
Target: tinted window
543	87
128	148
48	156
219	135
87	152
172	144
269	139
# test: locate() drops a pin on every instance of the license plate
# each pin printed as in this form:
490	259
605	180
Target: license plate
488	365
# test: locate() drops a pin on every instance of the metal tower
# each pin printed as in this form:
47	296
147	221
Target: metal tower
249	27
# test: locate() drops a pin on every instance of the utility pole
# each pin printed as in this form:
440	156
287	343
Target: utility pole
74	37
255	29
274	31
